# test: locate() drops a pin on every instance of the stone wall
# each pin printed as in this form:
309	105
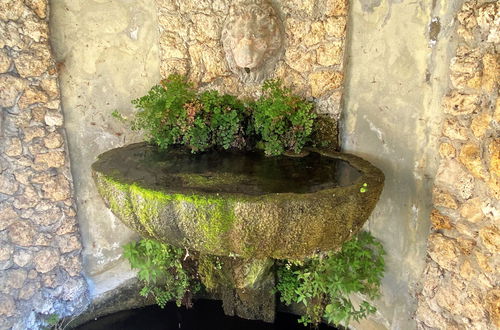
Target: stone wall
461	279
398	55
108	55
312	62
40	246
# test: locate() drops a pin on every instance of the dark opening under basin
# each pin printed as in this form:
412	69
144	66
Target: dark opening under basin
243	204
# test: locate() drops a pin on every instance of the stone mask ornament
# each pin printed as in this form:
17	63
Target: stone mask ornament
252	38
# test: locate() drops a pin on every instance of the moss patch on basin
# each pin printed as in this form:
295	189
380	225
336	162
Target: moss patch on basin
219	209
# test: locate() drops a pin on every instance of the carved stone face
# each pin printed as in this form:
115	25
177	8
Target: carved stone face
252	39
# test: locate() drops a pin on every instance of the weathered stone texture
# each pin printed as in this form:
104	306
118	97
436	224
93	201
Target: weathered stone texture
312	64
464	245
30	191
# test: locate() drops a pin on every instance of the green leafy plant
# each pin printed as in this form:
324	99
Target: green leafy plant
283	120
323	284
161	271
174	113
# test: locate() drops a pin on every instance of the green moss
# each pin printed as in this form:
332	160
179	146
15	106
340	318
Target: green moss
217	179
211	272
116	194
213	216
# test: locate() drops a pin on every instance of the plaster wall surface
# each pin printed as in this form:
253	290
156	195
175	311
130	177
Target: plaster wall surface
398	54
107	54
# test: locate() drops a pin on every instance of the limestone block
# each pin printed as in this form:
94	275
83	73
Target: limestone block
31	133
47	217
316	35
53	140
8	184
7	304
336	27
206	27
35	62
28	199
466	271
440	221
56	189
483	261
490	236
51	88
297	30
324	81
50	159
68	243
34	29
300	7
53	118
444	251
39	7
22	257
6	251
46	259
446	150
171	23
207	63
5	61
330	53
444	199
470	156
28	290
457	103
172	46
72	264
10	88
454	130
31	96
488	18
337	7
22	233
13	147
493	306
14	278
11	10
7	216
299	60
466	245
472	210
451	175
480	124
491	72
473	306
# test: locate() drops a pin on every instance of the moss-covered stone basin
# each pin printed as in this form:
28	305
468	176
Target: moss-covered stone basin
239	204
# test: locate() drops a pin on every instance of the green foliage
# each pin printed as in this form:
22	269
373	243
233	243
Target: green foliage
160	270
53	320
323	284
282	119
173	113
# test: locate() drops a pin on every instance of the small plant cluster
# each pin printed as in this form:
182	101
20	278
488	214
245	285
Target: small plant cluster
161	271
323	284
173	113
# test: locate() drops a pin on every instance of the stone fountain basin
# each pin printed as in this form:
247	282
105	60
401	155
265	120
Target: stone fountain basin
239	203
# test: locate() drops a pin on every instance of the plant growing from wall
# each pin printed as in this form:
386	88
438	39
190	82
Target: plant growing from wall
174	113
283	120
161	271
323	284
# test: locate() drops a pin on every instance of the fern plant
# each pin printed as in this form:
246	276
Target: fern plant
282	119
161	271
323	284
